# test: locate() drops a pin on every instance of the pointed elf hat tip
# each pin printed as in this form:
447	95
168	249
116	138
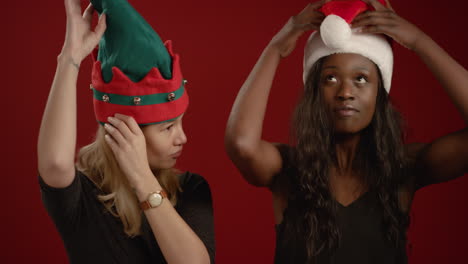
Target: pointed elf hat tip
130	43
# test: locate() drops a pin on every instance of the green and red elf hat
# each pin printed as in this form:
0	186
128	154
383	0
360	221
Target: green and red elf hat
134	73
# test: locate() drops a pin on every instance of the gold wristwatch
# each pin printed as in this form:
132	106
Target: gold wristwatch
154	199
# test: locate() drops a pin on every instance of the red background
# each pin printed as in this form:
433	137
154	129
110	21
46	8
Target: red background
219	42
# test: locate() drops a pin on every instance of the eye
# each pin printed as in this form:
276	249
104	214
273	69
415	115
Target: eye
330	78
169	127
361	79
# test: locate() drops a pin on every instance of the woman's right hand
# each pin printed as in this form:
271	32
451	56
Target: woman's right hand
308	19
80	40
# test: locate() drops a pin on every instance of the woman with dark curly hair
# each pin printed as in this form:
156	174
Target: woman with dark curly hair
343	189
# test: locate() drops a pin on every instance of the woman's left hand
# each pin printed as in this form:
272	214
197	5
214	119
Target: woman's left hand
128	144
384	20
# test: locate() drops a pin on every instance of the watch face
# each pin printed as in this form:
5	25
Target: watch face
155	199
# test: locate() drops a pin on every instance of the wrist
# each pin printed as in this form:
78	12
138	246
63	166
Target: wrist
68	60
273	49
420	43
145	186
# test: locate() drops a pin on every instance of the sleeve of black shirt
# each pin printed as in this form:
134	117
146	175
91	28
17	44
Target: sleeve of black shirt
196	209
62	204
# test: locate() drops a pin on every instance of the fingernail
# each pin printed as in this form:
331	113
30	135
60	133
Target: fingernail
110	118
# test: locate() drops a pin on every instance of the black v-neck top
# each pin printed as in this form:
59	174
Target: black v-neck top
91	234
362	234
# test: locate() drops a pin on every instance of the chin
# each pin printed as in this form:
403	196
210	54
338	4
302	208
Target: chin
169	164
350	126
346	128
163	165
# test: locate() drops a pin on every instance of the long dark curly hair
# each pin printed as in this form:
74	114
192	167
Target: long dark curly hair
380	162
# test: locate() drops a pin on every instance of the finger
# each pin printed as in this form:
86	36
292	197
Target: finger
112	144
116	134
88	14
311	9
100	27
376	5
308	16
318	4
374	21
311	26
371	16
73	7
119	124
319	15
389	5
377	29
130	123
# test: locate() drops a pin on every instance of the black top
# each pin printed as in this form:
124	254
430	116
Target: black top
360	223
91	234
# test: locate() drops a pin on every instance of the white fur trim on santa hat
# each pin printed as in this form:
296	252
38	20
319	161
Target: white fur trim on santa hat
374	47
335	31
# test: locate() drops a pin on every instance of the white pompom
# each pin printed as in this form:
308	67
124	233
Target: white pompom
335	32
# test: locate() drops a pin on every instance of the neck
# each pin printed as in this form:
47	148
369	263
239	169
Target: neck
346	146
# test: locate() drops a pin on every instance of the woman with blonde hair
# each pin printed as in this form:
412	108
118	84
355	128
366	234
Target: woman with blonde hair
123	201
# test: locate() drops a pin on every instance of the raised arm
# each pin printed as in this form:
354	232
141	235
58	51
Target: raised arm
256	159
57	134
447	157
178	242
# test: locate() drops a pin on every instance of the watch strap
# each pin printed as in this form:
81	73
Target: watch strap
145	205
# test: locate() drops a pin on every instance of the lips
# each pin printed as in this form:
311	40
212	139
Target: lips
345	110
176	155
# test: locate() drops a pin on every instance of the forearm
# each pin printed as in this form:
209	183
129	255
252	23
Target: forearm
177	241
452	76
57	134
245	122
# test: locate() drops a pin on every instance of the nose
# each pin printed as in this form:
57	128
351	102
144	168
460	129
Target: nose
181	138
345	92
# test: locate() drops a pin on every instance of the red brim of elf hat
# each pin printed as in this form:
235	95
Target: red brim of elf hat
152	100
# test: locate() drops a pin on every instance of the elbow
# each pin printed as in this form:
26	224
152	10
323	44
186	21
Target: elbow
54	170
238	148
242	153
54	164
256	181
51	158
240	139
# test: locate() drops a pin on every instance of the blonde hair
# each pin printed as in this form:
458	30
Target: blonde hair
98	163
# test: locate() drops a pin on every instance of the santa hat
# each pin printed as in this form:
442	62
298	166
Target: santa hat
134	73
336	36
